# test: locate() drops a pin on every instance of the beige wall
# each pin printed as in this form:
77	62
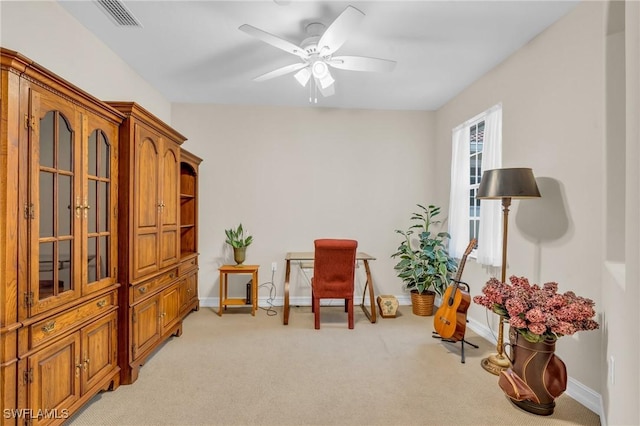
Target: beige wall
292	175
553	93
47	34
552	96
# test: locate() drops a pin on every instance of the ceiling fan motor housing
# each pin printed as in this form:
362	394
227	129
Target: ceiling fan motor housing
314	32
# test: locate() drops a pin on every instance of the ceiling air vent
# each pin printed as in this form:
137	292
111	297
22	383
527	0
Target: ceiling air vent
119	13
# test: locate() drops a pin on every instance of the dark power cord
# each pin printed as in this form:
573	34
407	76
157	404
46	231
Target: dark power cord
272	295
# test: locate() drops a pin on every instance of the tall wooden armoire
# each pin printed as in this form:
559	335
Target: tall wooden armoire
58	244
154	296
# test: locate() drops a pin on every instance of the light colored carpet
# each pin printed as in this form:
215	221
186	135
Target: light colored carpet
244	370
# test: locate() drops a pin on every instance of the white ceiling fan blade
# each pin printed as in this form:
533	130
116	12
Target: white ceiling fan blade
303	76
280	71
361	63
325	91
339	30
275	41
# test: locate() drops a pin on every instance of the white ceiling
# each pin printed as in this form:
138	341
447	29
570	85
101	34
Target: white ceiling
193	52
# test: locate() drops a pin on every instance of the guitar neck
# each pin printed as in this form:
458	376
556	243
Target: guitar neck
460	268
463	261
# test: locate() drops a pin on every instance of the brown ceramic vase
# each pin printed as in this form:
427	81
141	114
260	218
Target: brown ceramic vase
541	370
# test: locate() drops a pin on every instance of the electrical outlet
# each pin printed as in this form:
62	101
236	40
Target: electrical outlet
274	266
612	370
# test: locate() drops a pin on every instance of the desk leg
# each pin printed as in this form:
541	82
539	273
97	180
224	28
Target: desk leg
221	285
254	293
285	313
370	314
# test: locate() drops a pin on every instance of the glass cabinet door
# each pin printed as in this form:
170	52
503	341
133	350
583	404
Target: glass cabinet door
54	204
72	203
99	251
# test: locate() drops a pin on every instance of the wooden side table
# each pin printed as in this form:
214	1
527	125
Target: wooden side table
225	270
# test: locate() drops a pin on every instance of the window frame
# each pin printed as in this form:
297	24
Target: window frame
476	138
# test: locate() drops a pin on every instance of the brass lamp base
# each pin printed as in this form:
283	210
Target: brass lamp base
495	363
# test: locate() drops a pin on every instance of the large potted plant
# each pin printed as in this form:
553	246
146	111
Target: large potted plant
237	240
425	266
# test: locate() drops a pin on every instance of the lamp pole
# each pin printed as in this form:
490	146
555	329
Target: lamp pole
506	203
495	363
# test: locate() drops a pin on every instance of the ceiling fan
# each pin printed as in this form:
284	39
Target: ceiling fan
316	53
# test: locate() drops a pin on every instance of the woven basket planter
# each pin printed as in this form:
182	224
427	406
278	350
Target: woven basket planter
422	303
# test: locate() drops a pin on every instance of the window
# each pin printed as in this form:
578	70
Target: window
476	146
476	142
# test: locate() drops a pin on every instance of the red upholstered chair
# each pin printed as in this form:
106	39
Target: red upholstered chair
334	268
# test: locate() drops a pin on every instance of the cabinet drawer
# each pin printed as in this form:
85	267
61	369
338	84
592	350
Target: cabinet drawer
144	289
49	328
188	265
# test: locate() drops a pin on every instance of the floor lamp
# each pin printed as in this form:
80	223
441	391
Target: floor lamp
505	184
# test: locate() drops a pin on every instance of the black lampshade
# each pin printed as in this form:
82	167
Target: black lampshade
511	183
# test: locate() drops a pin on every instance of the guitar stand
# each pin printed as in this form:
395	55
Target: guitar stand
463	341
437	336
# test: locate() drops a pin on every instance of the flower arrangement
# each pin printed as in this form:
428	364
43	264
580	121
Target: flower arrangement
538	313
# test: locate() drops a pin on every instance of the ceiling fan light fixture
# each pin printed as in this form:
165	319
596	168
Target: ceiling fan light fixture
303	76
326	91
326	81
319	69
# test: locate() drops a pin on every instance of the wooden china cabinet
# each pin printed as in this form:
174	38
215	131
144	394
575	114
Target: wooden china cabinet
156	292
58	244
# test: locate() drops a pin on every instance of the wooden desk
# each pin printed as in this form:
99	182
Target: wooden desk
308	256
225	270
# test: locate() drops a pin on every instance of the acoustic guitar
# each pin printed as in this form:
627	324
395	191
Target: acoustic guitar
450	321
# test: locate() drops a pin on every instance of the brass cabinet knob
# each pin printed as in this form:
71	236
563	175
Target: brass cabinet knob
48	327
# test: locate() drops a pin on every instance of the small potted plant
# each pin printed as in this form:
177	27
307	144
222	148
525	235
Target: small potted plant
239	243
425	266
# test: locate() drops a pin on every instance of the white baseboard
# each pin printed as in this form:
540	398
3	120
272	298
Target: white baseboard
587	397
404	300
279	301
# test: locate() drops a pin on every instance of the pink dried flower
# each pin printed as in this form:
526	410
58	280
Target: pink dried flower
535	315
537	328
538	313
515	307
517	322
